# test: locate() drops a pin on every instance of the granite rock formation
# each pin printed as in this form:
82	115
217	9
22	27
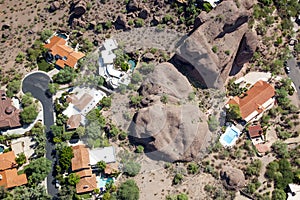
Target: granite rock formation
176	131
206	57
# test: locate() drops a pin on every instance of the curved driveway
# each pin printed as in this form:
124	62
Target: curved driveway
37	84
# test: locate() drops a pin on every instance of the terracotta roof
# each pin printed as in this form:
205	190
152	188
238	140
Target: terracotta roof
111	168
263	148
57	46
74	121
9	115
84	173
83	101
254	98
10	178
81	158
7	160
86	184
255	131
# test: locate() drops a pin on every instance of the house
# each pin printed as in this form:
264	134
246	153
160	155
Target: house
81	160
259	98
111	168
9	115
112	76
61	53
81	102
255	131
23	145
293	192
81	166
107	154
9	176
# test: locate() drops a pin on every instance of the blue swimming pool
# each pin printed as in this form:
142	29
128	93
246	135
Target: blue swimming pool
101	181
1	149
230	136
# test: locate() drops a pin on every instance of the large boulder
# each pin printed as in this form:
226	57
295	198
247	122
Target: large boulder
121	22
207	55
54	6
80	8
133	6
233	178
175	131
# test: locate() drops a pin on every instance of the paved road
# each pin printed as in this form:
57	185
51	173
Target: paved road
37	84
295	73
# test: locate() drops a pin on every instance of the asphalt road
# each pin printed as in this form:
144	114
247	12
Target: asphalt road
295	73
37	84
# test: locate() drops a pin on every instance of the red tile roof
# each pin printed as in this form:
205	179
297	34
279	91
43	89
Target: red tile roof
81	159
57	46
255	131
74	121
8	173
9	115
86	184
7	160
254	98
84	173
10	178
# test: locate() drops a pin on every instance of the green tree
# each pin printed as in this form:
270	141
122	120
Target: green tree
233	112
45	34
254	168
65	75
21	159
35	193
135	100
131	168
280	148
80	131
106	102
101	165
53	87
13	87
29	114
65	156
278	194
73	179
27	99
164	98
37	170
128	191
136	78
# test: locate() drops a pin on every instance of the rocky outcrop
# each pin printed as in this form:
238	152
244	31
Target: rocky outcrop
54	6
206	57
79	8
233	178
121	22
173	131
245	52
144	13
132	6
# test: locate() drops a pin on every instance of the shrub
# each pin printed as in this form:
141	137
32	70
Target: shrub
214	49
139	22
177	178
192	168
213	123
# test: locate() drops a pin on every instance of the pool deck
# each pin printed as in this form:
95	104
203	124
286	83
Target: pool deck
228	134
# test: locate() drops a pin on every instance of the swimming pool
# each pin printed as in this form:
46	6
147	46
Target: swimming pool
1	149
230	136
101	181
